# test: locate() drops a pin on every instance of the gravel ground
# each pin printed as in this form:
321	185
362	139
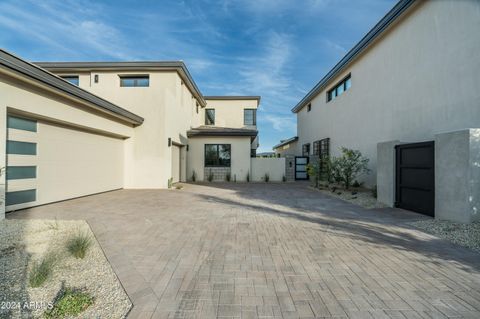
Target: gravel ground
361	196
467	235
24	241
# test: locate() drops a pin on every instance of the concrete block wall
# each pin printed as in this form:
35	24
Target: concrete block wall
219	173
290	167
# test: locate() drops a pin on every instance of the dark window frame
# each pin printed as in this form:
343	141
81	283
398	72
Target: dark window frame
207	118
136	80
69	78
217	164
254	116
341	83
309	107
306	149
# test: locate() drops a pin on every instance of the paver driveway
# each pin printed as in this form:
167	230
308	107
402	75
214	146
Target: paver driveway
272	250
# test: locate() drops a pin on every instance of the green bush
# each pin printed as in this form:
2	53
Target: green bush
69	303
284	179
194	176
41	270
266	178
78	244
210	176
228	177
248	177
346	168
313	171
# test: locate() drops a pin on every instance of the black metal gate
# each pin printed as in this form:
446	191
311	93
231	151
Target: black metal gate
301	163
415	177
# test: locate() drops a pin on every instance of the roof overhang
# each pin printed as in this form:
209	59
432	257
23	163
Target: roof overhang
234	97
141	66
23	69
217	131
360	47
286	142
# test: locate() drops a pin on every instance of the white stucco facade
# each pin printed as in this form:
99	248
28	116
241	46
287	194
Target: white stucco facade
419	78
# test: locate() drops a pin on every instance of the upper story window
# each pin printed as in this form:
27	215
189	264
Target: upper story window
250	117
341	87
71	78
209	116
134	81
309	107
306	149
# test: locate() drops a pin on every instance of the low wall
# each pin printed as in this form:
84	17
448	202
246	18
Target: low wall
274	167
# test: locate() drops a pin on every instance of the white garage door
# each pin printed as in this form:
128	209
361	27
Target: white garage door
48	163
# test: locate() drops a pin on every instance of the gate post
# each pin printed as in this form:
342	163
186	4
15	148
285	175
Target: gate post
386	172
457	176
290	168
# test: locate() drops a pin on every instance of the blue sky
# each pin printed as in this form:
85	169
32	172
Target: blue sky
278	49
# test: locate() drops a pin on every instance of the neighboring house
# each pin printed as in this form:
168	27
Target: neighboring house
414	75
112	125
286	147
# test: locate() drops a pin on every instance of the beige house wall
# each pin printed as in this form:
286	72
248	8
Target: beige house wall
288	149
419	79
79	150
240	156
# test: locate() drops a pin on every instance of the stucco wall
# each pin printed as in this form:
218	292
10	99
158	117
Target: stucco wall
240	156
229	113
289	149
274	167
85	158
419	79
457	176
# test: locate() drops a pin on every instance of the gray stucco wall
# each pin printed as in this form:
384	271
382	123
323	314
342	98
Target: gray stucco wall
386	172
402	86
457	176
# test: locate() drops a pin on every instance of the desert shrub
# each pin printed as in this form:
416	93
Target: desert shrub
41	270
170	182
346	168
78	244
248	177
228	177
313	171
194	176
210	176
356	184
266	178
69	303
284	179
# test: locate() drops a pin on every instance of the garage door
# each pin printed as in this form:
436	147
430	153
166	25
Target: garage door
415	178
48	163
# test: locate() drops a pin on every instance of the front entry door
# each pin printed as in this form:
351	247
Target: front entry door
301	163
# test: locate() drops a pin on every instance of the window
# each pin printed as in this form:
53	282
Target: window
19	123
20	197
21	148
309	107
306	149
253	153
71	78
321	149
196	106
135	81
209	116
341	87
21	172
250	117
217	155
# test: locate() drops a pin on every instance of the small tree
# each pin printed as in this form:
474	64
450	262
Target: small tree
314	171
346	168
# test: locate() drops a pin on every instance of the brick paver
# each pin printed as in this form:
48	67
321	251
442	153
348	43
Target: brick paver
272	251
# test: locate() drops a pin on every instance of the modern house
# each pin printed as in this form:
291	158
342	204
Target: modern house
79	128
413	77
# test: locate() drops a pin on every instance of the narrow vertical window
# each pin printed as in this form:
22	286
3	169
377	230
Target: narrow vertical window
250	117
209	116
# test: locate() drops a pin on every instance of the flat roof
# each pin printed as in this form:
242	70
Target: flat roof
285	142
233	97
177	66
360	47
221	131
12	62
